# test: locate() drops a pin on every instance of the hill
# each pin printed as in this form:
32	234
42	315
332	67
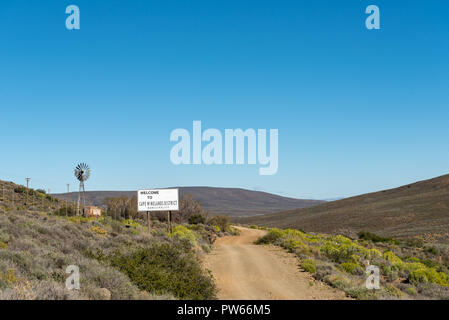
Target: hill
116	259
229	201
418	209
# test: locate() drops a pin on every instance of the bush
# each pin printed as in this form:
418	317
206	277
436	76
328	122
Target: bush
271	237
197	219
291	245
342	252
352	268
99	231
20	189
221	221
365	235
338	282
428	275
361	293
69	211
308	265
184	233
393	291
395	261
130	223
411	291
9	277
166	268
432	250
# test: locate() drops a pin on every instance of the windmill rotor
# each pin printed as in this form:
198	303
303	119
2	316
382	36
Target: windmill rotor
82	172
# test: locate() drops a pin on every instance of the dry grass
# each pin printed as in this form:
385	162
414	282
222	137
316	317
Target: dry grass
40	248
36	247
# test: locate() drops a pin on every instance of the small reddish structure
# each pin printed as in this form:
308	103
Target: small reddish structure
92	211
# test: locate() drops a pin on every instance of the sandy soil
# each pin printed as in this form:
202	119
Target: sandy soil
246	271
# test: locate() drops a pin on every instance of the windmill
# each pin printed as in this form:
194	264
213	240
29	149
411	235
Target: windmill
82	173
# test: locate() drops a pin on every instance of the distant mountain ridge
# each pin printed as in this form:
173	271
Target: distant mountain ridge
234	202
417	209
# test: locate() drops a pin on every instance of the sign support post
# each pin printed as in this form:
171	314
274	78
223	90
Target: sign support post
169	222
148	221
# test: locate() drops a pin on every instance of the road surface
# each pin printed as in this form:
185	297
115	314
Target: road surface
244	271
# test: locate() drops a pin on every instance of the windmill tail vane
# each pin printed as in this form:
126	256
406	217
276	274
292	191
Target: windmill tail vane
82	173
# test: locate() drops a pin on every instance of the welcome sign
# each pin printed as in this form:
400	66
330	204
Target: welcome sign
158	200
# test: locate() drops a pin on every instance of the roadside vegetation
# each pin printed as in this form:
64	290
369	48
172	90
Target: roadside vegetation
408	269
117	257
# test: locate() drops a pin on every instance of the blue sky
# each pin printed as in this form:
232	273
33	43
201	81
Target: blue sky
357	110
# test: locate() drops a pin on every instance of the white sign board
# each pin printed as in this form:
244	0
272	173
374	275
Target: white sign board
158	200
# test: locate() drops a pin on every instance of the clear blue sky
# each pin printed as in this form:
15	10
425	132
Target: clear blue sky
357	110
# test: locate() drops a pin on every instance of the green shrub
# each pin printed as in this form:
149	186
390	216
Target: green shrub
412	259
411	291
99	231
395	261
338	281
221	221
271	237
197	218
78	219
412	266
309	265
69	211
365	235
361	293
291	245
431	264
184	233
352	268
374	253
344	251
20	189
234	231
393	291
432	250
166	268
428	275
130	222
9	277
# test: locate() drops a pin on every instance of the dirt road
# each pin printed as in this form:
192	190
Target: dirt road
246	271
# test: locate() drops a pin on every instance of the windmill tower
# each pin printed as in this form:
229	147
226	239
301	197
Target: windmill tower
82	173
